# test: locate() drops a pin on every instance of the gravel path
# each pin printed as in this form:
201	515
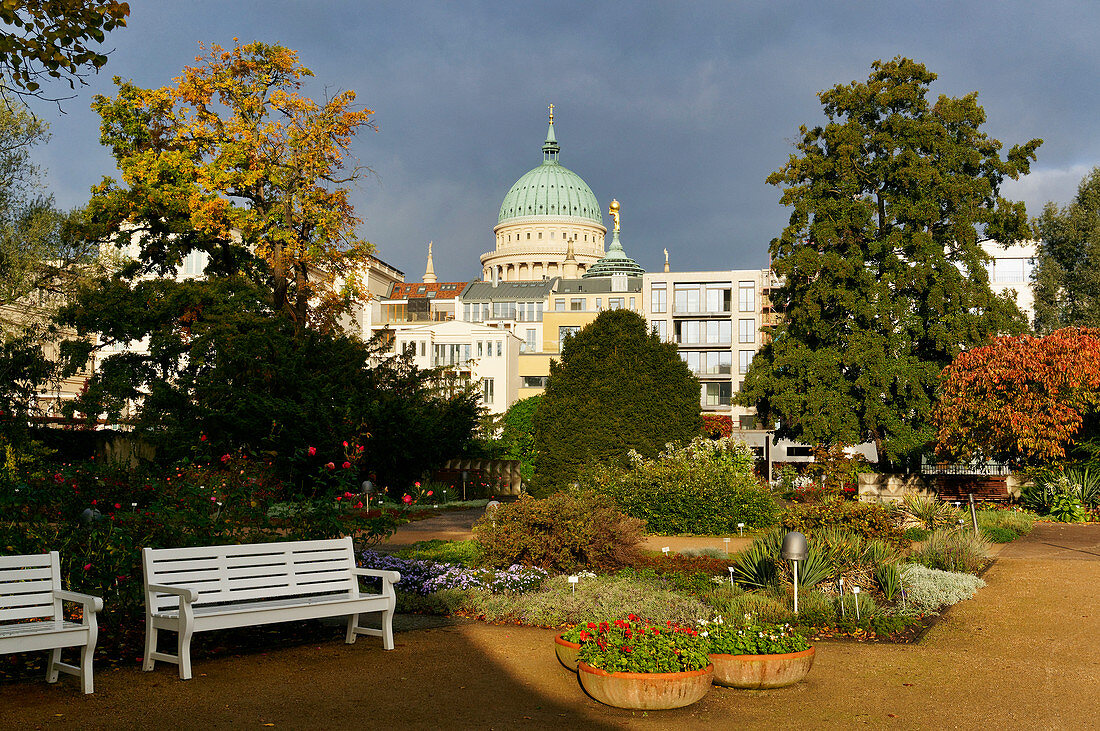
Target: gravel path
1021	654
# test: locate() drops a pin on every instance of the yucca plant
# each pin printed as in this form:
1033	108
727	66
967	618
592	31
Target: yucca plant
888	578
1085	481
928	512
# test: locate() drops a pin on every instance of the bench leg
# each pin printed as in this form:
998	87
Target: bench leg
86	654
51	666
353	623
150	645
183	652
387	629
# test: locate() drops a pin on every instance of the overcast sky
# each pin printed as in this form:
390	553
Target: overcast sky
678	109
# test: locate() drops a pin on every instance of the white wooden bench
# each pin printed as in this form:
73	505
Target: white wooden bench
30	589
190	590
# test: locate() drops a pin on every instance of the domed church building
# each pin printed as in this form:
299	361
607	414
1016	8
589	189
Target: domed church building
546	210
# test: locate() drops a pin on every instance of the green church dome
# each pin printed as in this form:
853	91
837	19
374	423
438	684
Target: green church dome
550	190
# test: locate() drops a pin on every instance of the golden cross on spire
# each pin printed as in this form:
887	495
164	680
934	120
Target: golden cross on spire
551	114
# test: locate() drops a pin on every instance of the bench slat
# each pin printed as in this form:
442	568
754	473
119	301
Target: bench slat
23	574
26	600
27	587
36	560
35	612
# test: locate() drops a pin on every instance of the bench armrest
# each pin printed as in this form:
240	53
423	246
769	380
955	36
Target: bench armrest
91	603
188	595
391	576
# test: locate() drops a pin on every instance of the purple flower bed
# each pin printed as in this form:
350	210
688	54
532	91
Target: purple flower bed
425	577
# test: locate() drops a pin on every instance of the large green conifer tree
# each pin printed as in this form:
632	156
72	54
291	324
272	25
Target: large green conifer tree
617	387
883	279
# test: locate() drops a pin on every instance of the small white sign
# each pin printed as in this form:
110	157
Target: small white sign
574	579
665	550
855	589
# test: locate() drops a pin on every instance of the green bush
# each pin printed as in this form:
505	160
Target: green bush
928	590
916	534
868	520
953	550
563	532
705	487
1020	522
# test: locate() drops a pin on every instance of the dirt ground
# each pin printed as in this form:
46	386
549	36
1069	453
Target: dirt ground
1020	654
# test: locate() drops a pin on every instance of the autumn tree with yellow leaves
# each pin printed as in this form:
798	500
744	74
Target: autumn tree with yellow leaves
233	160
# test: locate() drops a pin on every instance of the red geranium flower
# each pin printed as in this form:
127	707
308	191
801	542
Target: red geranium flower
312	451
202	437
330	466
347	465
407	499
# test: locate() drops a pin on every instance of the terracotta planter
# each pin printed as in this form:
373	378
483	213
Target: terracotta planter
567	652
645	691
761	671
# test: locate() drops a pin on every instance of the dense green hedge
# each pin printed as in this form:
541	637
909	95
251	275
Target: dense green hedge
705	487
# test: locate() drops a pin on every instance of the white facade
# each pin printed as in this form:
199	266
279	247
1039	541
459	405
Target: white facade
482	355
1011	269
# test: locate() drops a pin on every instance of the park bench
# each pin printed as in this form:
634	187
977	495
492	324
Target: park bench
190	590
31	617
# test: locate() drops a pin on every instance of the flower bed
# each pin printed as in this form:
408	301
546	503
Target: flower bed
426	577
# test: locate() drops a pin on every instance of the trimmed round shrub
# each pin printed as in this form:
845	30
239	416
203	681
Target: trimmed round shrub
559	533
705	487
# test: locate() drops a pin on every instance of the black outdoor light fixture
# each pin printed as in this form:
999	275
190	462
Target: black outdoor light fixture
794	549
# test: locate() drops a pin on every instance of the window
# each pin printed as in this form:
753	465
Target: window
746	296
534	381
465	352
744	360
614	303
559	305
500	348
691	358
532	340
423	347
632	306
658	298
528	235
195	262
719	332
565	331
746	421
717	394
746	331
488	348
487	390
719	362
661	328
466	311
504	310
576	304
599	304
800	451
480	350
686	297
718	299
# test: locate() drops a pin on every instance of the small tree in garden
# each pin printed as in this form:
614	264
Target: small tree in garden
1026	399
617	387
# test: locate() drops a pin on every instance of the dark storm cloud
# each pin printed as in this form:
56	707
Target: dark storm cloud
679	110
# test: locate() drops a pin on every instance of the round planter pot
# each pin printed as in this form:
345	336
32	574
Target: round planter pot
761	671
645	691
567	652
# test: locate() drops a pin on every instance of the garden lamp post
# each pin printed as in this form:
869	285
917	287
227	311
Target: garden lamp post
794	549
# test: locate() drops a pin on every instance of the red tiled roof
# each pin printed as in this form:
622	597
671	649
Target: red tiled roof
442	290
